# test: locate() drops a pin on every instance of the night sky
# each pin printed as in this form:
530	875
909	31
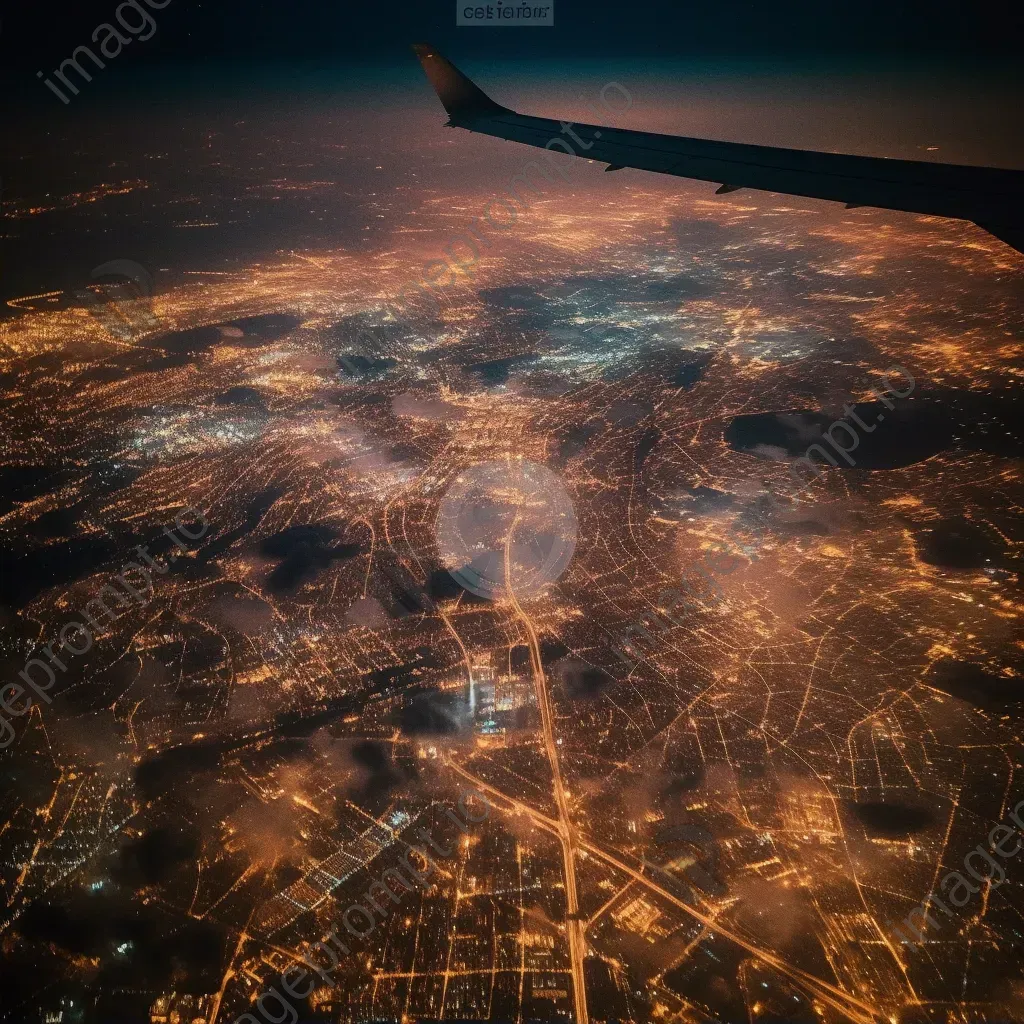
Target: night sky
40	34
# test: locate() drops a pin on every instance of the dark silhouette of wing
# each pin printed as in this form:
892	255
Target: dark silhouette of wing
991	197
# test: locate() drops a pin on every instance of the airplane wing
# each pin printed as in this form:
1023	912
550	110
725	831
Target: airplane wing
991	197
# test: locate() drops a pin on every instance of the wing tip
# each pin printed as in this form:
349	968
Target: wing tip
461	97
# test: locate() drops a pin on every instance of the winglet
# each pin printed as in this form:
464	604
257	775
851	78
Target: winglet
461	98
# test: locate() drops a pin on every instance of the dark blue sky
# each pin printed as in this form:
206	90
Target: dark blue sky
40	34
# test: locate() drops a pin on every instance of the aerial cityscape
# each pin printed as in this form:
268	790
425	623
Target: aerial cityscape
602	604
